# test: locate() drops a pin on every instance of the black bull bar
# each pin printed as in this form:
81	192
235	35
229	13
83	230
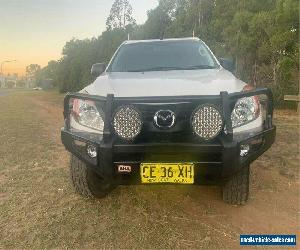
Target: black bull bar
227	144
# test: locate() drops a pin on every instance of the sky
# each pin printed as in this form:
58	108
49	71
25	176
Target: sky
35	31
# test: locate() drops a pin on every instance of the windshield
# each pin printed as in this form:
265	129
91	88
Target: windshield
161	56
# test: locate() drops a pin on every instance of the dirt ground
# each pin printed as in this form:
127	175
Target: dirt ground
39	209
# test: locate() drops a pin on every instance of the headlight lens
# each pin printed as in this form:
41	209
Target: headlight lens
86	116
207	121
246	110
127	122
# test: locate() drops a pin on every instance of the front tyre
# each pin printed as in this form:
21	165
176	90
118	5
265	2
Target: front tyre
236	190
86	182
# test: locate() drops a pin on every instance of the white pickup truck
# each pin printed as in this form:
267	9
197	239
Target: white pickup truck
166	112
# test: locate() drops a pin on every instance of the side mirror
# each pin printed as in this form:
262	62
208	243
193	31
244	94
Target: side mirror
98	69
227	64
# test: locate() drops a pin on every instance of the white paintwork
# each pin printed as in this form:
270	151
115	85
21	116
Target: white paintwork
165	83
169	83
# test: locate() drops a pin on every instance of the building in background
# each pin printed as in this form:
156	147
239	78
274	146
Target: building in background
14	81
8	81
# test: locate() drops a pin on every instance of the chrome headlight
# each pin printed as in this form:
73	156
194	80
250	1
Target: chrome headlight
207	121
127	122
85	116
246	110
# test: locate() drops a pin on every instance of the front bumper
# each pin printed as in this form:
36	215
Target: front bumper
220	159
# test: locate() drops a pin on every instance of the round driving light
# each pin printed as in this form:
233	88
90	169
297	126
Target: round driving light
91	151
127	122
244	149
207	121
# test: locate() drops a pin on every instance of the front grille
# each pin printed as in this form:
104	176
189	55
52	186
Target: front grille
180	132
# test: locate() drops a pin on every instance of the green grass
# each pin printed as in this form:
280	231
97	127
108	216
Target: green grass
39	209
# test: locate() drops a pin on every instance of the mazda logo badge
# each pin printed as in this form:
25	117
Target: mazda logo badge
164	119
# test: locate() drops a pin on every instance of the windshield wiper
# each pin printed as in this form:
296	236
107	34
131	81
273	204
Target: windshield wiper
174	68
200	67
157	69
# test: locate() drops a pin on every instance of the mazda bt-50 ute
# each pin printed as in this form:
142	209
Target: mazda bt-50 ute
166	112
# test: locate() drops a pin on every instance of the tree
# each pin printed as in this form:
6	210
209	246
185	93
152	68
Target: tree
261	36
48	72
159	20
120	15
32	69
32	73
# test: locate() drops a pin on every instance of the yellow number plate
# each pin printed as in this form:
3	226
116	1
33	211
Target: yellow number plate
181	173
